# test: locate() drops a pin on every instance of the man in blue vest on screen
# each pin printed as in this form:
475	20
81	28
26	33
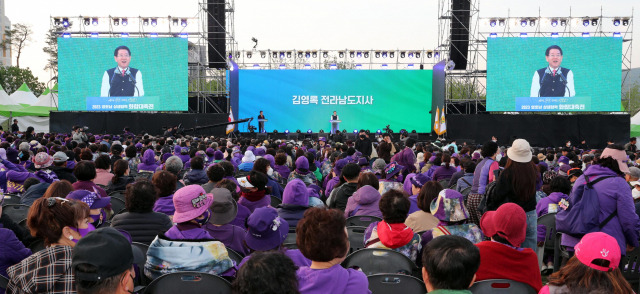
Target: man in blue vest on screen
553	80
122	80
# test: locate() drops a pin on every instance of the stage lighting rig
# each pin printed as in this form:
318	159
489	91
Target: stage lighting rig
255	41
87	21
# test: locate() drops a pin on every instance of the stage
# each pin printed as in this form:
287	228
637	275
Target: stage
540	130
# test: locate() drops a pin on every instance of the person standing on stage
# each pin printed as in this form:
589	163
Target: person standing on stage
553	80
334	125
122	80
261	123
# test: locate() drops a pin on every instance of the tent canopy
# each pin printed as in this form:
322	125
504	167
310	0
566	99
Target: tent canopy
23	96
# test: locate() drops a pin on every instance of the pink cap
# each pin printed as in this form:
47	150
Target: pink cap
598	245
190	202
618	155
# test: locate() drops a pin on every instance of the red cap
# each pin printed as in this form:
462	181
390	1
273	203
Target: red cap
509	221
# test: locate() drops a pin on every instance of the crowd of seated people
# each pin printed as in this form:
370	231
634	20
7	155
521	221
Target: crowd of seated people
271	215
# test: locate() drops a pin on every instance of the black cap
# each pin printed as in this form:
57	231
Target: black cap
108	250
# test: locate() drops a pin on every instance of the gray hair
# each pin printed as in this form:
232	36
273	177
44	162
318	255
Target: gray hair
173	165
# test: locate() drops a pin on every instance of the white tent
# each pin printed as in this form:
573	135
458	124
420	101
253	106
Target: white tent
24	96
47	99
4	98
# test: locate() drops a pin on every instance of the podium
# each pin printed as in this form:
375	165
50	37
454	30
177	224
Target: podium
261	124
334	125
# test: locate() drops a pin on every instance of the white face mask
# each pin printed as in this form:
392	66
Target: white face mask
635	193
270	171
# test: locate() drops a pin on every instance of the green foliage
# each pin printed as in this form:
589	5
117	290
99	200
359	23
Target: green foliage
463	90
631	98
52	49
16	39
12	77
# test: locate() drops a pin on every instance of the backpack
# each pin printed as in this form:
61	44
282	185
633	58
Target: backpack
489	191
581	217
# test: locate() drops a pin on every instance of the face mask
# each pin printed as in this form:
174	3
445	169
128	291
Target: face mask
270	172
98	218
204	220
635	193
83	232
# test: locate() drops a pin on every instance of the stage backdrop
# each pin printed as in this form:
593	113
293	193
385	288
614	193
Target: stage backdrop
595	64
162	65
363	99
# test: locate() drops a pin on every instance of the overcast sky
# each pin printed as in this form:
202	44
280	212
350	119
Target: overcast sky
307	24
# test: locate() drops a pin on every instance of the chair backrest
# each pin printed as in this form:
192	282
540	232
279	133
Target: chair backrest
356	238
444	183
117	205
117	194
549	222
501	286
235	256
291	238
11	199
630	266
37	245
4	281
16	212
465	192
275	201
189	282
380	261
144	175
362	220
141	278
395	283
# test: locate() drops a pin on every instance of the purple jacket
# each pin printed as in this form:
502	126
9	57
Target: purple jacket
481	176
89	186
442	172
406	158
296	256
542	208
413	200
331	184
148	162
283	170
230	235
365	201
335	279
614	194
252	205
187	231
165	205
12	250
241	217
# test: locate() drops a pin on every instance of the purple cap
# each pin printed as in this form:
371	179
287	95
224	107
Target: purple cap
475	156
266	229
339	165
272	161
210	151
419	180
260	152
295	193
363	161
165	156
302	163
392	169
138	145
322	139
217	155
90	198
12	155
176	150
190	202
563	159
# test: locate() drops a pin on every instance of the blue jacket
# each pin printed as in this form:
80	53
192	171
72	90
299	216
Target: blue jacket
196	177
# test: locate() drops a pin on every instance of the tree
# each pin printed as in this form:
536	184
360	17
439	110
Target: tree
12	77
52	49
631	98
16	39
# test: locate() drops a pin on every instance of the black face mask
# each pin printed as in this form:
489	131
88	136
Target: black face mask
362	136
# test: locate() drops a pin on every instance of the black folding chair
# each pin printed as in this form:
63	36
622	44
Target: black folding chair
501	286
141	278
356	238
362	220
188	282
630	268
380	261
117	206
16	212
4	282
395	283
11	199
235	256
444	183
275	201
549	222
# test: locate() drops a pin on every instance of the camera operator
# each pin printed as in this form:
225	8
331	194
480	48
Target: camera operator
364	144
78	134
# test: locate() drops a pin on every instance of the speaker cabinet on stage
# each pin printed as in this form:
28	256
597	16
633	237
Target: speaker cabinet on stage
460	16
292	136
261	136
216	34
414	136
351	136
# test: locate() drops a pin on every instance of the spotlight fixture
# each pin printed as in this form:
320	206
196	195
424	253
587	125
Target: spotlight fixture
379	131
616	22
585	22
87	21
436	55
116	21
94	35
493	23
358	66
625	22
56	21
429	54
523	22
359	54
288	54
554	22
617	35
263	54
65	22
237	55
300	55
403	54
325	54
366	55
184	35
341	54
385	66
275	131
417	54
321	131
307	66
493	35
154	22
275	54
391	54
563	22
532	22
501	22
282	55
298	131
352	54
309	131
153	35
124	35
377	54
413	131
594	22
286	131
125	22
314	54
307	54
183	22
410	54
586	35
555	35
282	66
333	66
385	54
174	22
248	54
66	35
145	21
523	35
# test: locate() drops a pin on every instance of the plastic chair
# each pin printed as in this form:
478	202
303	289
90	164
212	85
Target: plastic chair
362	220
444	183
117	194
117	206
37	245
291	238
4	282
189	282
356	238
549	222
235	256
275	201
465	192
16	212
395	283
630	268
380	261
141	278
145	175
501	286
11	199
